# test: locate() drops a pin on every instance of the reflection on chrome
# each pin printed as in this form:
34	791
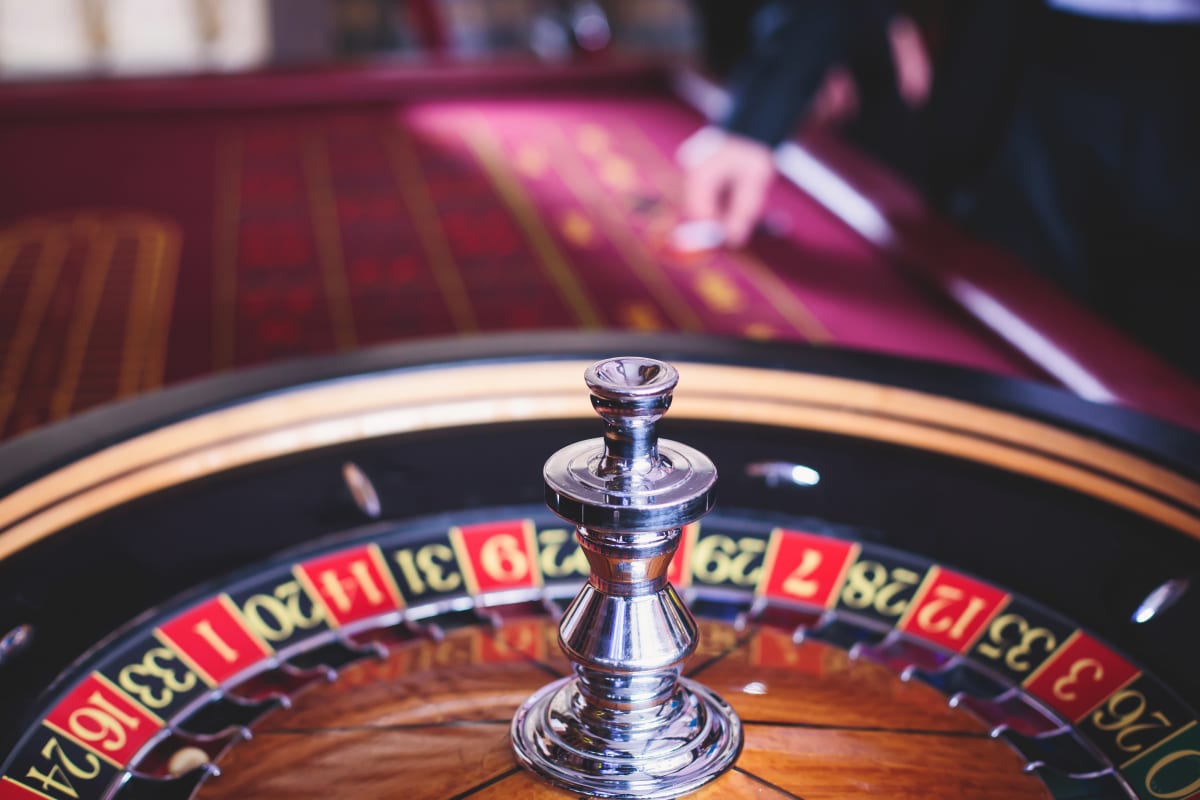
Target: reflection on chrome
1160	599
775	473
627	724
362	490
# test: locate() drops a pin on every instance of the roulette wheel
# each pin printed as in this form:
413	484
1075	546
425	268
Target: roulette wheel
339	578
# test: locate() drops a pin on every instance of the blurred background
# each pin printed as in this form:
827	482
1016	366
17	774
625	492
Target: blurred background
55	38
193	186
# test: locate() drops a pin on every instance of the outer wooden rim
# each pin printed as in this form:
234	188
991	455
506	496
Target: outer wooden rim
381	404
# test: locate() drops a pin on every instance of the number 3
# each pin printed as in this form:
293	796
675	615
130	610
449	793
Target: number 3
1062	686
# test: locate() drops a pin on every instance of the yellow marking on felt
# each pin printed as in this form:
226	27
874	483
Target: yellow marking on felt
531	160
328	235
783	299
761	331
641	317
141	294
54	249
577	229
778	294
101	245
167	239
617	172
487	151
591	139
225	250
145	318
422	210
719	292
615	227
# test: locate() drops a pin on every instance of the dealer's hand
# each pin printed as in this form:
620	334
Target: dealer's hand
726	178
911	61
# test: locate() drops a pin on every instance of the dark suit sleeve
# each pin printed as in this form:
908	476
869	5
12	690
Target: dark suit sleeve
793	45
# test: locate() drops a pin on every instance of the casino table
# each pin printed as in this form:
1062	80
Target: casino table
317	563
154	230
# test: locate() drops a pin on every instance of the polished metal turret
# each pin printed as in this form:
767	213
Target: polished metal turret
627	724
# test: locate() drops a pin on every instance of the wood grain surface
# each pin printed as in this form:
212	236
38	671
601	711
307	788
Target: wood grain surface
431	721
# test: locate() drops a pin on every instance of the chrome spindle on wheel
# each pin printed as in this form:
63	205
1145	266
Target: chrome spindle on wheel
627	724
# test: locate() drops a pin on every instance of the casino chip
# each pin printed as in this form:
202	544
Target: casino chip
697	236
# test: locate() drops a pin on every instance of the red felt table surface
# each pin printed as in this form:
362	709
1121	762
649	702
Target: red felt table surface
138	249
